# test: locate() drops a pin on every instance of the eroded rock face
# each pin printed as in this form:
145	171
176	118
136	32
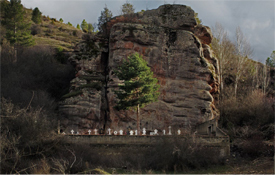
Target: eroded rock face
178	52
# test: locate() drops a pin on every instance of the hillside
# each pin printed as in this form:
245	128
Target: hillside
51	32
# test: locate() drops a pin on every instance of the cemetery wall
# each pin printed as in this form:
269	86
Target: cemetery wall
112	141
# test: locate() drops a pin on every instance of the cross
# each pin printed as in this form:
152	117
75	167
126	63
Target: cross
169	130
121	132
72	131
89	131
179	132
143	131
109	130
163	132
95	131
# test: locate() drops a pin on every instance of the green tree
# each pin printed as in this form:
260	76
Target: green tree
105	16
84	26
270	61
139	87
18	31
90	28
198	19
127	8
36	16
61	20
78	26
70	24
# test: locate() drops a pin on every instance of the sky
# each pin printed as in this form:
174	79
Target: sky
256	18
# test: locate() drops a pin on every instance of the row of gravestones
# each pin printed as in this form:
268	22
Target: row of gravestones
120	132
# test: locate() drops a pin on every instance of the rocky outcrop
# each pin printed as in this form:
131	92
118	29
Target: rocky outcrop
178	52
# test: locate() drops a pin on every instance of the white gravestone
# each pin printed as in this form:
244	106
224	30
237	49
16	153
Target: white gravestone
95	131
131	132
77	133
143	131
163	132
136	132
121	132
115	132
179	132
169	133
63	133
109	131
72	131
89	131
156	132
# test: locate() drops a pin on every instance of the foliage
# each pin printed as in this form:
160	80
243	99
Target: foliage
78	26
17	30
37	74
127	8
36	16
139	87
60	20
270	61
70	24
105	16
90	28
198	20
84	26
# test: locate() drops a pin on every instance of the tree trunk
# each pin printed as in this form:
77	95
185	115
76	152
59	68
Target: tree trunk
138	121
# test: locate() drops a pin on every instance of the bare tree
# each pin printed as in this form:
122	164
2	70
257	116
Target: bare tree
223	49
243	52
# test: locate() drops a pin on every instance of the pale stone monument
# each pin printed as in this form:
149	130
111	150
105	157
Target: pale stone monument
163	132
89	131
143	131
169	133
95	131
179	132
131	132
72	131
121	132
156	132
115	132
136	132
109	131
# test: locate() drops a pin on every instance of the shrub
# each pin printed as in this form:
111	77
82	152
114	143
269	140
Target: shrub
36	29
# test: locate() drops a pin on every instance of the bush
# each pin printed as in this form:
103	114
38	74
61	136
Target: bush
36	29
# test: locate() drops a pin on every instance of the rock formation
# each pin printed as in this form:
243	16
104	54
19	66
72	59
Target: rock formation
178	52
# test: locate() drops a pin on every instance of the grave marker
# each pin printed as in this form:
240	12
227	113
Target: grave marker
109	130
89	131
72	131
131	132
143	131
179	132
169	133
121	132
95	131
163	132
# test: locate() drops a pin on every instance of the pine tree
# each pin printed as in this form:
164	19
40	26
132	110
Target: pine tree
84	26
78	26
127	8
270	61
139	87
61	20
70	24
36	16
105	16
18	31
90	28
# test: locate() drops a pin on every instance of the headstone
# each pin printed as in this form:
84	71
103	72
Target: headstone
143	131
121	132
131	132
89	131
115	132
77	133
179	132
136	132
72	131
63	133
169	133
155	132
95	131
109	131
163	132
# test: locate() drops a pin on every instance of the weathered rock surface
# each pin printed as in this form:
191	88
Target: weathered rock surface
178	52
